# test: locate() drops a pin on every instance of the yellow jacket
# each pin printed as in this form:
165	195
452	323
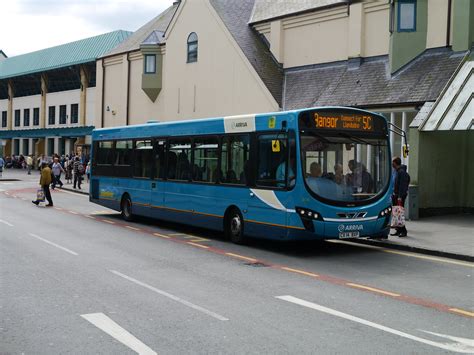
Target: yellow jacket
45	178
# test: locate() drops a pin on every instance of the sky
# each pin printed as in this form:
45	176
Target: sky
30	25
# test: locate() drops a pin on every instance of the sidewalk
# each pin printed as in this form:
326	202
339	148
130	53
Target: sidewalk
449	236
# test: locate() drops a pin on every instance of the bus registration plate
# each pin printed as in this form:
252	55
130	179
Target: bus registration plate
346	235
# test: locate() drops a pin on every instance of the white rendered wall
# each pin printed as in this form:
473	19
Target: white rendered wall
21	103
90	106
62	98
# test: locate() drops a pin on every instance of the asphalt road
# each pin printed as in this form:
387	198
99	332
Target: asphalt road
76	279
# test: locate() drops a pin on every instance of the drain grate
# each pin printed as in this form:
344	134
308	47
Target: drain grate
257	264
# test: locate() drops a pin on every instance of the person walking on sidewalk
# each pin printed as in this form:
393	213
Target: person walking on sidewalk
29	164
78	169
45	180
57	170
400	190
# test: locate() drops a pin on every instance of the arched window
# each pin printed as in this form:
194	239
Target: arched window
192	47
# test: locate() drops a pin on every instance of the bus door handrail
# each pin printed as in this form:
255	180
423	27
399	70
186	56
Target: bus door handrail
399	132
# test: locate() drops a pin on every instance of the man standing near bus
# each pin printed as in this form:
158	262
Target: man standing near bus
400	190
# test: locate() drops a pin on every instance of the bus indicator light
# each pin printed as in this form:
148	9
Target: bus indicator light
272	122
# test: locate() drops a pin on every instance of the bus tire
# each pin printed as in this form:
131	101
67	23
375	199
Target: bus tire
234	226
126	208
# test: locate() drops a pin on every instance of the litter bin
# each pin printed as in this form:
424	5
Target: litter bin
412	203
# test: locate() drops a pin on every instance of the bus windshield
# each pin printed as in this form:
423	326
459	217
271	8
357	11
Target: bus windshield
344	168
345	154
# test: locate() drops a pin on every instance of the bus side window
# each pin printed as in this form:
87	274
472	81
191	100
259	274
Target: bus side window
160	159
205	156
123	158
143	159
273	160
179	154
234	160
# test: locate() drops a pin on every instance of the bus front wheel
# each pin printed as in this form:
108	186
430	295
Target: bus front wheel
234	228
126	208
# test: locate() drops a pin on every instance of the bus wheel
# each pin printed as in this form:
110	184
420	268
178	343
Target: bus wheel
126	208
234	228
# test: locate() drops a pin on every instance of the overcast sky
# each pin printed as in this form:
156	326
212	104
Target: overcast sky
30	25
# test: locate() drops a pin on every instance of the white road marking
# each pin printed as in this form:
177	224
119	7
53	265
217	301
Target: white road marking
173	297
5	222
460	347
107	325
54	244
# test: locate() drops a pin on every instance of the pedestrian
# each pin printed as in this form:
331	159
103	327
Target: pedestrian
2	164
88	171
78	169
68	166
57	170
400	191
45	180
29	163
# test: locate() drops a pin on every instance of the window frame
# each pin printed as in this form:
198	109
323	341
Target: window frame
145	64
36	116
399	7
74	114
62	118
4	119
191	58
51	115
17	118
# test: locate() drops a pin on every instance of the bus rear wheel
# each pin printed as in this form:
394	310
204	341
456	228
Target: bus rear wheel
126	208
234	227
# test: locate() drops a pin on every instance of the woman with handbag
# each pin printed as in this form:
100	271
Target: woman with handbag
400	192
45	180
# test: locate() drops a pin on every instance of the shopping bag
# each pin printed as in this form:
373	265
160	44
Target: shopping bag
398	216
40	195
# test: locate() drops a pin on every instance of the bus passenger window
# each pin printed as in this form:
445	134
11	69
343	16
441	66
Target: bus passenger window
273	161
205	160
160	159
143	159
234	160
105	153
179	154
123	152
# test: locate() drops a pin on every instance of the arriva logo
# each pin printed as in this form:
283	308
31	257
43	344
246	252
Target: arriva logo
239	124
350	228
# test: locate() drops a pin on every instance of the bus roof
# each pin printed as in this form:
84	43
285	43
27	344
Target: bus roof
217	125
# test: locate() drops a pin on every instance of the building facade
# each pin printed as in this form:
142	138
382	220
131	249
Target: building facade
205	58
47	97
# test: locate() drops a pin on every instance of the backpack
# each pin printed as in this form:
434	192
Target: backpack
80	169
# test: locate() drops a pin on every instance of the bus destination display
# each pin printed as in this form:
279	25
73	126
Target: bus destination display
349	122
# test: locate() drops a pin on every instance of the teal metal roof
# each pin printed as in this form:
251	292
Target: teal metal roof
47	132
78	52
